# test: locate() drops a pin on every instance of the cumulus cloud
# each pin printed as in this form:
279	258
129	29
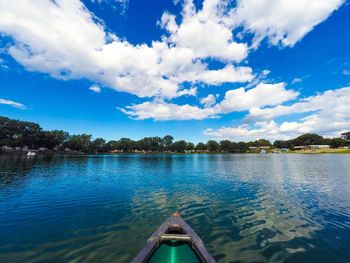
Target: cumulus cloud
260	96
188	92
326	114
205	32
13	104
95	88
208	101
167	111
334	102
235	100
283	22
228	74
260	130
68	42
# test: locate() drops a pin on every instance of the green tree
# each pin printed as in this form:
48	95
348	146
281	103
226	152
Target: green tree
52	139
225	146
97	145
167	141
78	142
338	142
201	147
19	133
153	144
308	139
261	142
126	145
346	136
179	146
7	131
111	145
242	147
190	146
282	144
22	133
213	146
234	147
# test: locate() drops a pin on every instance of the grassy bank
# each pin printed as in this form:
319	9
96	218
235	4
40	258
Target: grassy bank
316	151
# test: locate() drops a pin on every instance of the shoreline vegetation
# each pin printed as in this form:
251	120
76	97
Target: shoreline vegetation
21	137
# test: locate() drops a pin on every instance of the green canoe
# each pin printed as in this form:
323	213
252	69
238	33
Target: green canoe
174	242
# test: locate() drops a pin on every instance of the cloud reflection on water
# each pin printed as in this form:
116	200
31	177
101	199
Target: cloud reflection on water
265	208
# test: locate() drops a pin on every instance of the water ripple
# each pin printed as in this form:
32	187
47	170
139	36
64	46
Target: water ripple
246	208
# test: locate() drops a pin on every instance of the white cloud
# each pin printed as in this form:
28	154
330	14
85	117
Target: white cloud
95	88
204	32
208	101
188	92
234	101
297	80
13	104
228	74
260	96
67	42
61	41
167	111
265	72
331	102
282	21
327	114
261	130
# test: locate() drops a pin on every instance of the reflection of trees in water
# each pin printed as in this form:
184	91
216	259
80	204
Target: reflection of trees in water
15	167
15	163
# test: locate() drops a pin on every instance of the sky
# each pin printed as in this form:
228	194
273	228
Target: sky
198	70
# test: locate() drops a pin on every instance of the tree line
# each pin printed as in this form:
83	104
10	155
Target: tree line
16	133
314	139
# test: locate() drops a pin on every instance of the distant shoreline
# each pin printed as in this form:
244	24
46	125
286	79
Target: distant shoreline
20	137
307	152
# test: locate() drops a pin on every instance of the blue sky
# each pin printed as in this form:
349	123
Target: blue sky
198	70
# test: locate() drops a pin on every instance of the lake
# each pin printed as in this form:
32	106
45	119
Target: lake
246	208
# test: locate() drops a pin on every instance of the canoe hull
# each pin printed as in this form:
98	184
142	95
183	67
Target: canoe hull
174	229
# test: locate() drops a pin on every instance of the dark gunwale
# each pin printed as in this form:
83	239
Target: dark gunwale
177	224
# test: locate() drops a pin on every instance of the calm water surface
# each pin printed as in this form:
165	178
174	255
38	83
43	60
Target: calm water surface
246	208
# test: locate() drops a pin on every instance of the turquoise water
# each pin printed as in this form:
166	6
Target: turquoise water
246	208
